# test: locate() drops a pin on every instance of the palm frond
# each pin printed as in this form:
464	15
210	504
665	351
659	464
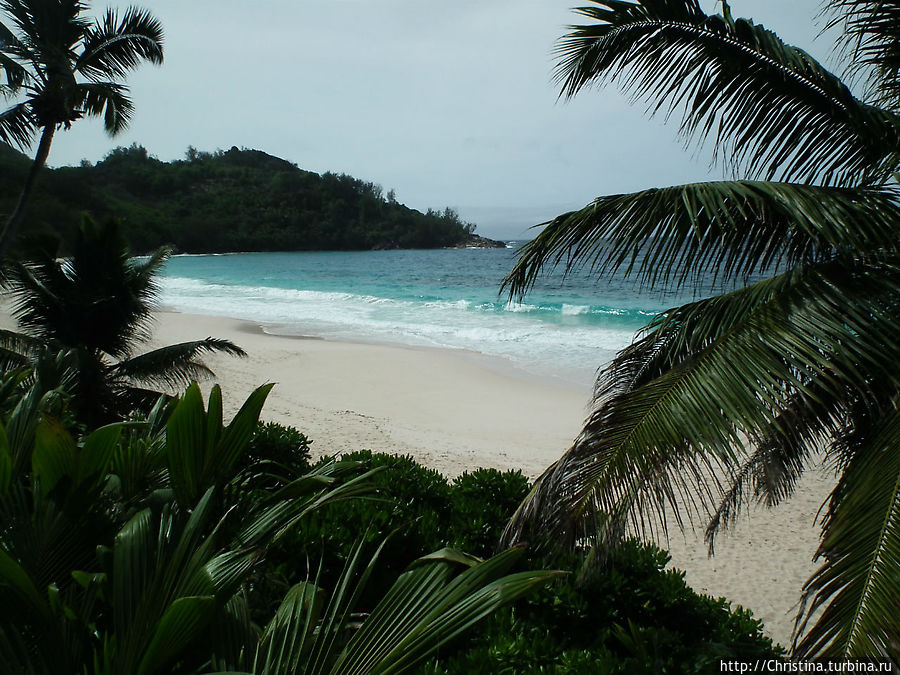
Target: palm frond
115	46
728	230
16	75
870	29
674	409
38	303
778	459
109	100
175	365
857	587
18	349
17	126
145	270
773	108
435	599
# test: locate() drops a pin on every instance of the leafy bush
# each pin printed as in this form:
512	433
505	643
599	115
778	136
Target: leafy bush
481	503
630	616
282	445
417	504
412	502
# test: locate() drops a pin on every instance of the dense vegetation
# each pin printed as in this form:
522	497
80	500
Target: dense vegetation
236	200
142	548
630	616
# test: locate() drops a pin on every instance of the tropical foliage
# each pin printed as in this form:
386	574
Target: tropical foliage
133	549
94	308
729	399
632	616
65	66
635	617
232	200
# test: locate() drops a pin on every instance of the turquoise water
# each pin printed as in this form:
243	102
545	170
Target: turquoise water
565	328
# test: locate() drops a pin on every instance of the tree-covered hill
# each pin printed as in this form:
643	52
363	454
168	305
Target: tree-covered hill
235	200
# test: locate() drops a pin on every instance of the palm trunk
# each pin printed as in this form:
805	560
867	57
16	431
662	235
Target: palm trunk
11	229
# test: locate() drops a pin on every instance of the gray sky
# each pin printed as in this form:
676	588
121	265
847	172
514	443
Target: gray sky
449	104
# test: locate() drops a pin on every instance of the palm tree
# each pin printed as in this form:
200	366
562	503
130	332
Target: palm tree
730	399
97	305
67	67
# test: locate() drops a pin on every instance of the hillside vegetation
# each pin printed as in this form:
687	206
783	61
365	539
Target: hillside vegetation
234	200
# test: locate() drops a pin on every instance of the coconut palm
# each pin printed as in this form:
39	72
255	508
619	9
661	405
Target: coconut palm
66	66
796	362
97	305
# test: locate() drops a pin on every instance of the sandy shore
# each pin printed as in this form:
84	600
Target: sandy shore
455	412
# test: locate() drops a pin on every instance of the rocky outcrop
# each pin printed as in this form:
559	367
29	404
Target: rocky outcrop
476	241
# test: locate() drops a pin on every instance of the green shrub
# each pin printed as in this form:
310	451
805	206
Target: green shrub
631	616
481	503
282	445
417	506
413	503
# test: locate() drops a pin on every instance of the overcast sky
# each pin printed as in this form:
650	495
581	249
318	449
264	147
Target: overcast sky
449	104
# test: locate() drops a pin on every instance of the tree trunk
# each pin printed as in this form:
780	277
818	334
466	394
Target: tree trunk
11	229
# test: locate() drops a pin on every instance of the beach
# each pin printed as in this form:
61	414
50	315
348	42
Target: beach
456	411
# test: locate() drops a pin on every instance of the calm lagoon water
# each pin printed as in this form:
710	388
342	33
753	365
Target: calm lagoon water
449	298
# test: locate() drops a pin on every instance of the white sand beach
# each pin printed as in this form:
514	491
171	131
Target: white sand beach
456	411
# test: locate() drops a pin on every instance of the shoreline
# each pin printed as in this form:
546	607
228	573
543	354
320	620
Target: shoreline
447	408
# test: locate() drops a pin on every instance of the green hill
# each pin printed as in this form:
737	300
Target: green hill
235	200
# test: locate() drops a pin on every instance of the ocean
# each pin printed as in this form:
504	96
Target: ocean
565	328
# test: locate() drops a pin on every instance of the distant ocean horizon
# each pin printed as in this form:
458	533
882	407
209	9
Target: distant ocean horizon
564	328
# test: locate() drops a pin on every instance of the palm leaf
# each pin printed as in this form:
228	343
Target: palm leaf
17	126
429	605
870	30
175	366
16	75
438	597
779	457
96	299
673	410
114	46
729	230
18	350
771	106
109	100
858	586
